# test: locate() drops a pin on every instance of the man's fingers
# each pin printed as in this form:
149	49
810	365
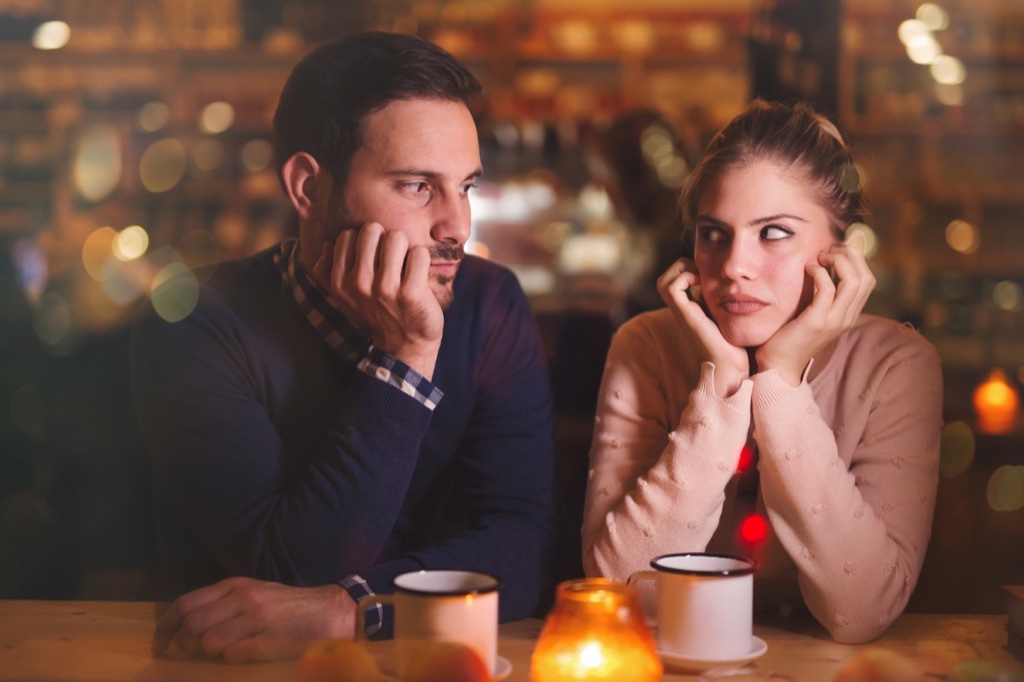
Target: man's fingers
170	622
393	251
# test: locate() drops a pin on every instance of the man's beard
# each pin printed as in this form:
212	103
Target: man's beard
440	286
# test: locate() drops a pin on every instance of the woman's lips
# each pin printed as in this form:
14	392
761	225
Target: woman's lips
740	305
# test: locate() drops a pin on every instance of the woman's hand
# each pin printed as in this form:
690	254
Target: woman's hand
731	363
832	311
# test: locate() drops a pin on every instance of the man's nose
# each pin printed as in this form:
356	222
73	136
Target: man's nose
451	220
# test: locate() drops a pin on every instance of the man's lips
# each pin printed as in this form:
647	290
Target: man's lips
446	267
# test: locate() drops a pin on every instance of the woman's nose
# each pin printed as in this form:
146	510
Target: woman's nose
740	261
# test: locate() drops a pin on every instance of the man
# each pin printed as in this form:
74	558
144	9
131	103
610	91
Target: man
359	404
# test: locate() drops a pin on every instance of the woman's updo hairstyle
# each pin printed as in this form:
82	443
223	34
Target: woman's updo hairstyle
793	136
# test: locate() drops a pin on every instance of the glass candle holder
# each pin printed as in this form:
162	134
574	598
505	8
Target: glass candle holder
596	631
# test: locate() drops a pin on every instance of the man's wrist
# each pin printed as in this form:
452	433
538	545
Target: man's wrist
373	614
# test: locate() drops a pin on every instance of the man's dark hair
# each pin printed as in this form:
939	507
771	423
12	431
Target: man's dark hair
330	92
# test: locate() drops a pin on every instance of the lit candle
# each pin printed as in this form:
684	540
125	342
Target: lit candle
596	631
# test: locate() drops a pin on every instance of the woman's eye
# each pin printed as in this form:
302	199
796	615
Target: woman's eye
774	232
713	235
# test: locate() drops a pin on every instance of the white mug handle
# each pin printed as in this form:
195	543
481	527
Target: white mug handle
642	575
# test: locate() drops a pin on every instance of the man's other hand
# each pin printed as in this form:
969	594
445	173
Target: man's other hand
242	619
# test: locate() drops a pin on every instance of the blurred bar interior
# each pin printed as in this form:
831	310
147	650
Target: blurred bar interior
134	141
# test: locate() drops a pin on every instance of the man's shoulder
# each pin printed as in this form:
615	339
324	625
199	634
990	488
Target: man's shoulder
237	288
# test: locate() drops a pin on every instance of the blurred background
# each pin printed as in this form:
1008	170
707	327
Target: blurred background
135	143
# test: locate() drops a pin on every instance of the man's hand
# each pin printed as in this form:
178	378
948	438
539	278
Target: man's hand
731	363
833	310
242	619
383	285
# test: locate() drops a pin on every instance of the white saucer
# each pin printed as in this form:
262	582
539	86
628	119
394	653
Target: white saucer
502	668
692	663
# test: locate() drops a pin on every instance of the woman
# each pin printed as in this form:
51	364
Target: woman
842	411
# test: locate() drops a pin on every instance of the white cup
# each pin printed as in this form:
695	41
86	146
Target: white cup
705	604
442	606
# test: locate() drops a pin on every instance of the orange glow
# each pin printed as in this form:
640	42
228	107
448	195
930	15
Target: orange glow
996	402
754	529
596	631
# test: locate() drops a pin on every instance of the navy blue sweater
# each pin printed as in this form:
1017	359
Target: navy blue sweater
274	458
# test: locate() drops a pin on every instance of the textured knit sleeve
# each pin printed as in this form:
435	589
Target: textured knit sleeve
659	466
856	532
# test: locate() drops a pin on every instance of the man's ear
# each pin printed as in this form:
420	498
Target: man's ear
303	177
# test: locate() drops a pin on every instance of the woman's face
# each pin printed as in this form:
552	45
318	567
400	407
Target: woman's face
757	227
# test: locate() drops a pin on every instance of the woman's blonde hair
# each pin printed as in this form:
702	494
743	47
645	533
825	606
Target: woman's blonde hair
794	136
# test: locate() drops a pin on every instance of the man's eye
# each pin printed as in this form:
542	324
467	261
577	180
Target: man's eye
415	187
774	233
468	186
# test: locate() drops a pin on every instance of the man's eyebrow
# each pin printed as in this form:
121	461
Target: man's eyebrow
429	174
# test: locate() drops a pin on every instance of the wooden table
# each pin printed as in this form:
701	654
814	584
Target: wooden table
109	641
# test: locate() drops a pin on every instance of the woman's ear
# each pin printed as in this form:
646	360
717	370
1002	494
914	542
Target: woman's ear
302	177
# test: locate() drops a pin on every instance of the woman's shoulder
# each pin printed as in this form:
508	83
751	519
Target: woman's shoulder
653	324
881	337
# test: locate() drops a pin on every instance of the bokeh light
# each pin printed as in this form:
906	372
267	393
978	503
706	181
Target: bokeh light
175	292
746	457
256	155
1005	490
1007	295
207	154
869	236
948	70
952	95
962	236
153	116
923	49
911	29
996	403
216	117
754	529
52	319
933	16
163	165
123	287
956	449
130	243
51	35
97	253
96	166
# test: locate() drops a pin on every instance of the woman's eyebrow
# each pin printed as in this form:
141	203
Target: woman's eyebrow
778	216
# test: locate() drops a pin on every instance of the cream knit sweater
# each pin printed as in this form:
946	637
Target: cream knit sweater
847	461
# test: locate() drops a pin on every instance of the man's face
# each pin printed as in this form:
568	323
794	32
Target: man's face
412	174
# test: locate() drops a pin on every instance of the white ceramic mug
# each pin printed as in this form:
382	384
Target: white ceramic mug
705	604
448	606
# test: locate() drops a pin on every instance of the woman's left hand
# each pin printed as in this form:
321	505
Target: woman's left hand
833	310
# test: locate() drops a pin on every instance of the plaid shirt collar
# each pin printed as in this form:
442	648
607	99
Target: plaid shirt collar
329	322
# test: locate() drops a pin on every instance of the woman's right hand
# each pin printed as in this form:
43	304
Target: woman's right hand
731	363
